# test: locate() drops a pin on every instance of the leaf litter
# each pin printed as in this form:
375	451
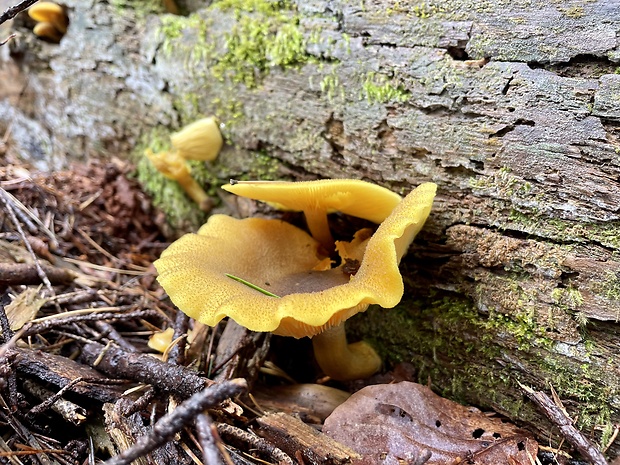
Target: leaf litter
391	424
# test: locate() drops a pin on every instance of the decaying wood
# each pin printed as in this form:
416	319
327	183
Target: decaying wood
145	369
251	441
510	107
125	430
70	411
300	440
240	352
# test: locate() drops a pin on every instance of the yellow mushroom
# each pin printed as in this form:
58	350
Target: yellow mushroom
268	275
47	31
50	12
200	140
171	165
318	198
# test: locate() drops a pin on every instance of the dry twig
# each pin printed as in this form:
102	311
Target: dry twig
557	414
254	442
210	440
13	11
184	414
6	200
145	369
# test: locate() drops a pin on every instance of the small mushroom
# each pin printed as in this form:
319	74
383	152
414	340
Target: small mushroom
171	165
269	275
318	198
51	18
200	140
47	31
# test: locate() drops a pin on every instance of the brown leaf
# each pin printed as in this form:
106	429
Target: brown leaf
406	423
24	307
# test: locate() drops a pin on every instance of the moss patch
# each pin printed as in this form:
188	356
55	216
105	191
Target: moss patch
469	356
140	8
378	88
605	234
182	214
265	34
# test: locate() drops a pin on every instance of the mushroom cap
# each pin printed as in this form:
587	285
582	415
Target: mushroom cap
170	164
350	196
50	12
200	140
45	11
47	30
286	261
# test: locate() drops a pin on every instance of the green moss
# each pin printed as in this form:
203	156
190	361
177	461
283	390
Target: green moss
465	353
426	9
140	9
609	286
377	88
266	34
330	86
182	213
568	297
574	12
264	168
502	184
605	234
188	36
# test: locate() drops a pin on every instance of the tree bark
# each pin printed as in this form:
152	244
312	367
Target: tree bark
511	107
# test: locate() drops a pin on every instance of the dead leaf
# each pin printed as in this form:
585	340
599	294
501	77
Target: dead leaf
24	307
392	424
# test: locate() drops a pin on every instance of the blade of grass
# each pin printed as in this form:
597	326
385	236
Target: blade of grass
253	286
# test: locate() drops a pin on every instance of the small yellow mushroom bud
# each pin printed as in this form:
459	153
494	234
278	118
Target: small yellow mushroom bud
161	340
47	31
200	140
50	12
174	167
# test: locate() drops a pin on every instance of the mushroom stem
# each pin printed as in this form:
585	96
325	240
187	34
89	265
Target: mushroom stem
342	361
195	191
174	167
319	227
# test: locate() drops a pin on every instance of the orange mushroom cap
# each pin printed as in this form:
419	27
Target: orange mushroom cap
286	261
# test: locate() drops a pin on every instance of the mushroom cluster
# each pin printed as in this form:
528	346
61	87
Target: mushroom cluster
269	275
52	21
200	140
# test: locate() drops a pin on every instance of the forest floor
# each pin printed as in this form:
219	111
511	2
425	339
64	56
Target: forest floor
96	360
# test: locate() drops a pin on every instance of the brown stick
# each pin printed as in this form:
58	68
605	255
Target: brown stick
558	416
27	273
14	10
145	369
184	414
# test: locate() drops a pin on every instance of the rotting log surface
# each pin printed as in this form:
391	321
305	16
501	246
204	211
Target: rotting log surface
511	107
